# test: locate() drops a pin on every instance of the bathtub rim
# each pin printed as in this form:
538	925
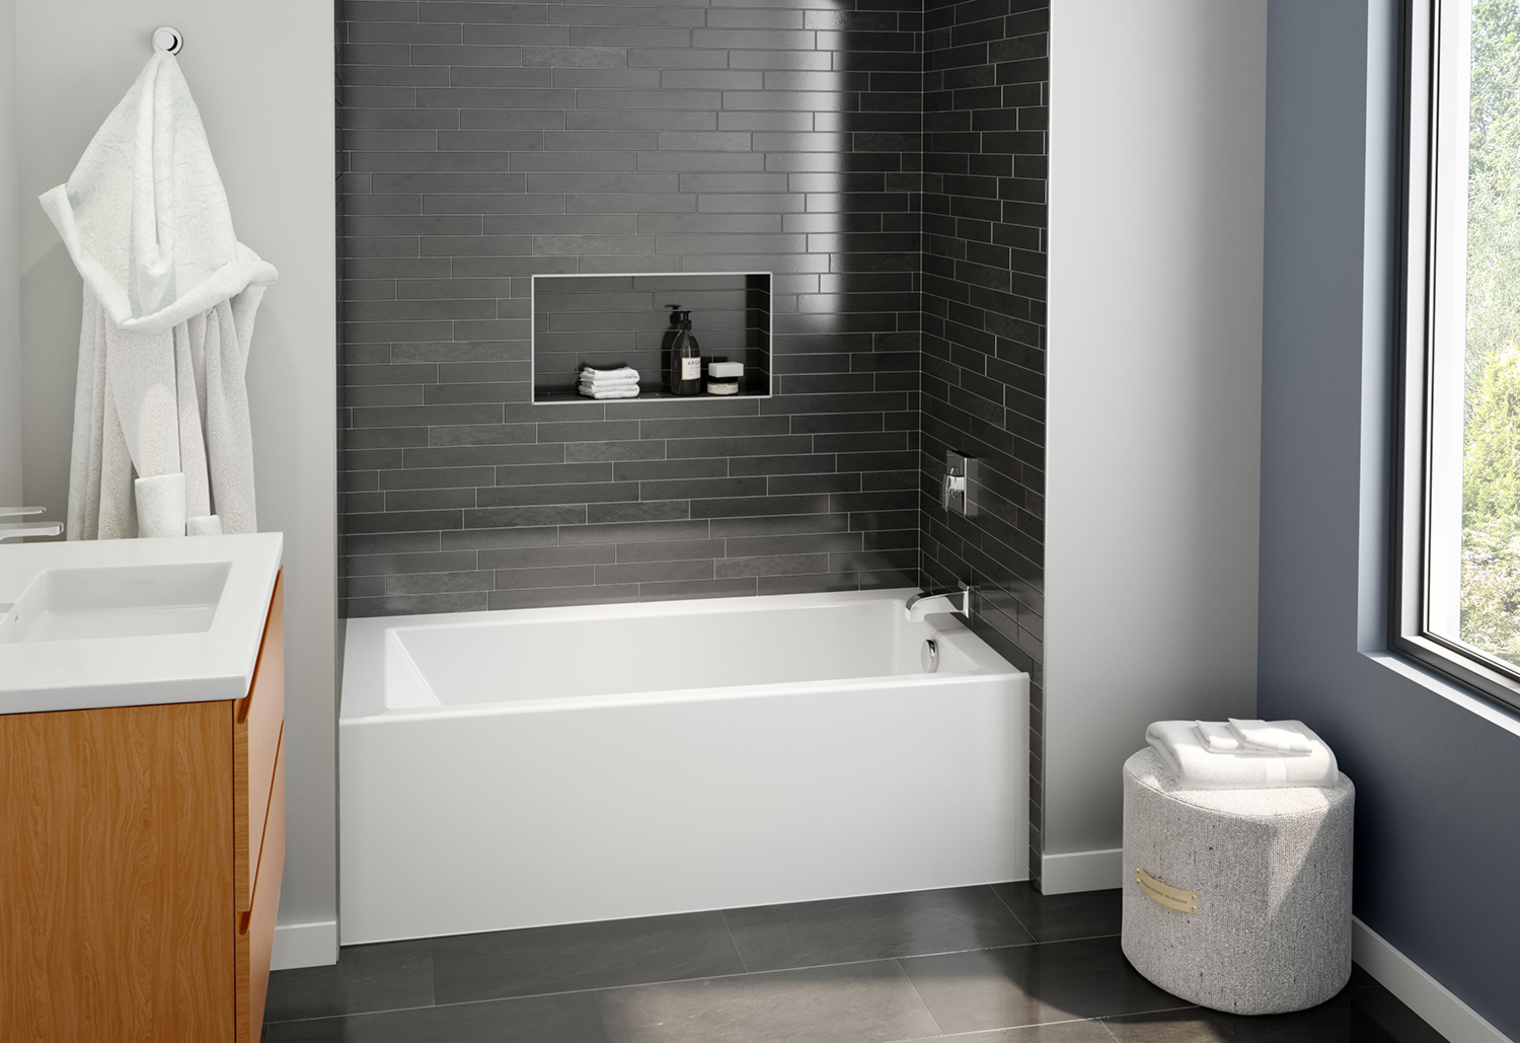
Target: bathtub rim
361	699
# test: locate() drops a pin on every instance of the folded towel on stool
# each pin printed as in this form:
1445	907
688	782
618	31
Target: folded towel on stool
1218	737
1195	766
1285	737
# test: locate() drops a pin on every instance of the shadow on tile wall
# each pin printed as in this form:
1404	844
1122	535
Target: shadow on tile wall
985	116
487	142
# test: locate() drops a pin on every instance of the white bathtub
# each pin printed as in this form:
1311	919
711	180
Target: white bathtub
543	766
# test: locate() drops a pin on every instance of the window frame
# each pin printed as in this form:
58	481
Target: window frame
1416	409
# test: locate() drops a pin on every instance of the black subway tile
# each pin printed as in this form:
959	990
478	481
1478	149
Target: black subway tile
779	565
655	571
556	596
646	511
566	576
711	588
505	558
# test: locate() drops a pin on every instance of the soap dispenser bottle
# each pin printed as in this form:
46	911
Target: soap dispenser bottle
685	356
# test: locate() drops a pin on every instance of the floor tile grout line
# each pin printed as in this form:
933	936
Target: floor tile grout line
1107	1028
1011	913
601	1013
918	995
677	981
734	941
1106	1018
997	1028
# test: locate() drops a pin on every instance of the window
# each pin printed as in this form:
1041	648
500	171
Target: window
1457	547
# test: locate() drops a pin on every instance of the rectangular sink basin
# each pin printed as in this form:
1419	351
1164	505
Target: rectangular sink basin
117	601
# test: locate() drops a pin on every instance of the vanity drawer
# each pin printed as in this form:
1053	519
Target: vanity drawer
256	727
253	940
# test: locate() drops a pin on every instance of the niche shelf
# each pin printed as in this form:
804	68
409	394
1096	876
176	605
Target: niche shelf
612	320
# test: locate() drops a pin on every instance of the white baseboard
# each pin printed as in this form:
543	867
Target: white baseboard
1421	993
1082	871
313	944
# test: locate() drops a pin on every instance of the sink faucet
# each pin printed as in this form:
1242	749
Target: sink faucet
959	600
16	530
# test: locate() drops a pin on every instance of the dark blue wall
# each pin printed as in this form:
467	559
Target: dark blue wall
1437	771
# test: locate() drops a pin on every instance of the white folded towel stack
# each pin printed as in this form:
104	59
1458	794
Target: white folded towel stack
1200	756
622	382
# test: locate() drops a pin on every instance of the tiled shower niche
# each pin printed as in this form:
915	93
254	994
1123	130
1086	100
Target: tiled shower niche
612	320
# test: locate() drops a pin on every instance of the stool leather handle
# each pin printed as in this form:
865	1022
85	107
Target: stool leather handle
1171	897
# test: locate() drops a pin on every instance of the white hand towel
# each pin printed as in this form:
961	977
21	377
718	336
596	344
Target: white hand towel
598	380
1218	738
632	391
206	525
161	505
1194	766
169	303
610	371
1286	737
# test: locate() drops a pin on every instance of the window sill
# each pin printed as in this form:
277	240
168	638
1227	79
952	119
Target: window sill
1448	689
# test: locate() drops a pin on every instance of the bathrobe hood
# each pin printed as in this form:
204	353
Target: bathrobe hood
146	220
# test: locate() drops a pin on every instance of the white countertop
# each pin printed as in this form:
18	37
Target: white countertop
82	673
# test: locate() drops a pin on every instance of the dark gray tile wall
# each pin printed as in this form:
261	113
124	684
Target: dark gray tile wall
489	141
340	168
986	92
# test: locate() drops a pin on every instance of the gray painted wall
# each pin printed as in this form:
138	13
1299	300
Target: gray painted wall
1437	771
262	77
1154	391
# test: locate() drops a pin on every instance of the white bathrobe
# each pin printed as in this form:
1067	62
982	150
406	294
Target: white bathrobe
161	435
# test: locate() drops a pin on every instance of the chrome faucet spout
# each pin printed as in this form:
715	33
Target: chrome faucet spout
921	605
19	530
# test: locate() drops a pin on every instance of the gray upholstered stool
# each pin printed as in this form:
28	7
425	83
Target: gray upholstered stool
1240	899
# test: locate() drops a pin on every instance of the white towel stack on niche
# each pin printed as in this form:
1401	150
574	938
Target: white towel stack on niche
622	382
1243	754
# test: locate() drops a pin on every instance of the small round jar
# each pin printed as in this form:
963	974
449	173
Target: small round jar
723	376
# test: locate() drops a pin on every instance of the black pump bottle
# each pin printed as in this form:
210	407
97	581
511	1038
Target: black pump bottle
685	356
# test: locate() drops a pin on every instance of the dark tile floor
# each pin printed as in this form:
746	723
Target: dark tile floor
1000	964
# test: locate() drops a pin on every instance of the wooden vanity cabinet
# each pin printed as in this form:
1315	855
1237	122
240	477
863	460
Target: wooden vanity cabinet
141	851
